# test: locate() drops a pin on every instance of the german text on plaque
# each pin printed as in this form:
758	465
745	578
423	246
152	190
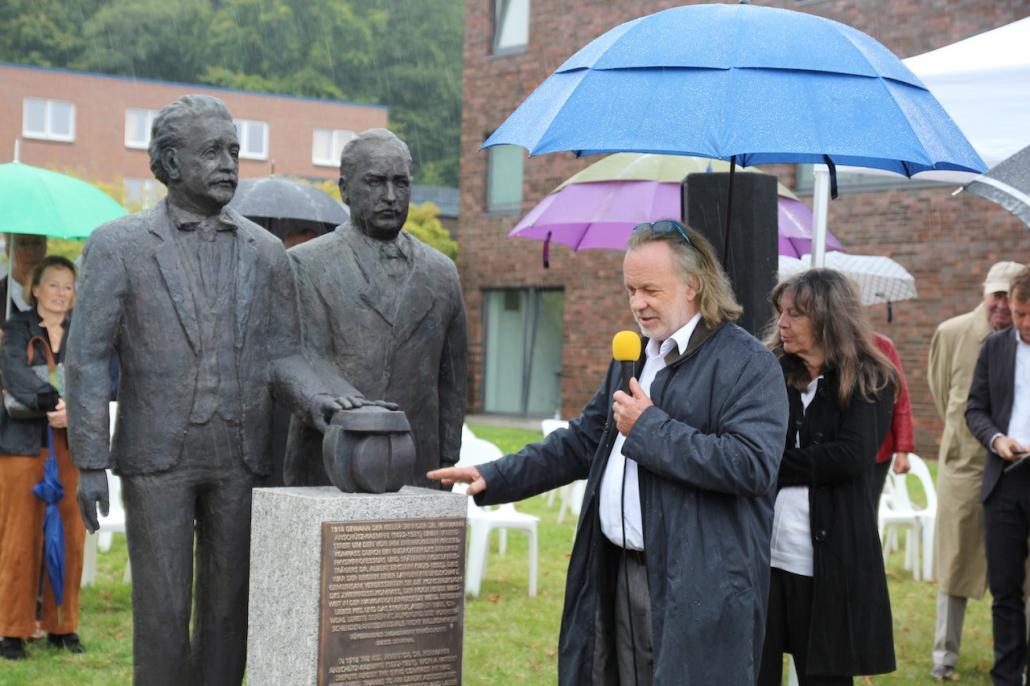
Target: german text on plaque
392	602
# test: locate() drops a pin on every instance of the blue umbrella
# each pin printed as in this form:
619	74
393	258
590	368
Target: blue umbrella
752	85
50	491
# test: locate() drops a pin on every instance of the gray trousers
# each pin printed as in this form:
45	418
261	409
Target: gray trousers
205	500
947	637
633	640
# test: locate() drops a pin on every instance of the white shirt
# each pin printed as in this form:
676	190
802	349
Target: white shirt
611	502
1019	422
791	546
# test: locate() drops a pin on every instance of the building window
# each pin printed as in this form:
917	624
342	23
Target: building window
52	120
504	178
511	26
523	351
253	137
327	146
138	124
858	182
142	193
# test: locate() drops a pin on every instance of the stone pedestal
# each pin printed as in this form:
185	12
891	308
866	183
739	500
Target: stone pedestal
287	556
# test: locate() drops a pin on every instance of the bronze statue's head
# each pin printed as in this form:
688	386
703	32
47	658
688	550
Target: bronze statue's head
194	151
375	181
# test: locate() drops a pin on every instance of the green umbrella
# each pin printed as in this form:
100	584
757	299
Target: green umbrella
629	166
45	203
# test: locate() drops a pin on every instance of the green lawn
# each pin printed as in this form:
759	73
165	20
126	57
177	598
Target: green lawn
509	637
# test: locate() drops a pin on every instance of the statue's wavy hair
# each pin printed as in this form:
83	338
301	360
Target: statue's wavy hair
170	122
840	325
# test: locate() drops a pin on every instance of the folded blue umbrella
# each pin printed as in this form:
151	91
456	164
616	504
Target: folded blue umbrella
50	491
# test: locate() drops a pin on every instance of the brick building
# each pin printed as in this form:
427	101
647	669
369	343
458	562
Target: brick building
542	337
98	126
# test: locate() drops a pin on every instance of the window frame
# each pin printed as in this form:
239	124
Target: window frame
530	329
150	115
244	138
48	133
498	23
333	134
504	208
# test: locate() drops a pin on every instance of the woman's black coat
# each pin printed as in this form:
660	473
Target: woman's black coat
851	630
25	436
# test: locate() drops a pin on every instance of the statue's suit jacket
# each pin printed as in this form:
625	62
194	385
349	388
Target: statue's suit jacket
413	355
134	298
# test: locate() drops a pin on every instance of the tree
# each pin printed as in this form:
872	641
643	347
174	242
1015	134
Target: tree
405	55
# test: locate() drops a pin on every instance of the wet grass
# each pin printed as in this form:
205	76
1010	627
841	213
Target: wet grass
509	637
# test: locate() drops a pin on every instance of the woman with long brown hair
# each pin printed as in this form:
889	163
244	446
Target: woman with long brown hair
828	602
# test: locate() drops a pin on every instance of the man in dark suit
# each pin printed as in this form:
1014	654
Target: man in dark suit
998	415
200	306
385	310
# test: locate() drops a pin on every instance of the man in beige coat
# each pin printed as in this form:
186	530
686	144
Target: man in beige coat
959	558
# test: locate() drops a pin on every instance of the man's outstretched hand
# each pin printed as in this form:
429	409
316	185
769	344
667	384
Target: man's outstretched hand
449	476
92	490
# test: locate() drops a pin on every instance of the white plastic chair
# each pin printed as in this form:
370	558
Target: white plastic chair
897	512
483	520
792	672
571	495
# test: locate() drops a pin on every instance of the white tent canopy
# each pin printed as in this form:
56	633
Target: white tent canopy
983	82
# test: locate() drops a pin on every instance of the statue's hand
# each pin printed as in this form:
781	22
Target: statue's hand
322	409
93	490
353	402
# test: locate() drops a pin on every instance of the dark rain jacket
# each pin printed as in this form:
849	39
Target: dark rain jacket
708	453
851	616
25	436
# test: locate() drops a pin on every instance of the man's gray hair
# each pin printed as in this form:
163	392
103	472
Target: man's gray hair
697	264
348	158
170	122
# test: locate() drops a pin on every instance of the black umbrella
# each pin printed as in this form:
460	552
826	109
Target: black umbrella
285	206
1008	184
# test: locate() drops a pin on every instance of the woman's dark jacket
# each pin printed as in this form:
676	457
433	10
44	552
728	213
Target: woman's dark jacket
25	436
851	615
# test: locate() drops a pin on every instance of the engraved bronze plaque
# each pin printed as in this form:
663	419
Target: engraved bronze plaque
392	602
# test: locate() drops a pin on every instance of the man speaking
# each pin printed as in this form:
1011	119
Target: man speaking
668	578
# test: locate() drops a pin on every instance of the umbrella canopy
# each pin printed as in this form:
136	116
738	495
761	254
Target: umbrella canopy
284	205
39	201
765	85
629	166
50	491
984	83
880	279
601	214
795	226
1007	184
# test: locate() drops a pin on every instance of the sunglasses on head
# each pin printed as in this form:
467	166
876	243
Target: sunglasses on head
665	226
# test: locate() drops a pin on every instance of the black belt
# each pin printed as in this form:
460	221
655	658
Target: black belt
638	556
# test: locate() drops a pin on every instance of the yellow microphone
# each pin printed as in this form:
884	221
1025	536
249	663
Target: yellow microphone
626	351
